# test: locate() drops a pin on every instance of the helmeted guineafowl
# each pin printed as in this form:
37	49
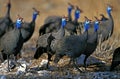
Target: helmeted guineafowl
106	27
44	41
71	26
70	8
72	46
11	42
92	41
27	29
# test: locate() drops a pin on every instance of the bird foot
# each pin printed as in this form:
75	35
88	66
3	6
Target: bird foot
81	70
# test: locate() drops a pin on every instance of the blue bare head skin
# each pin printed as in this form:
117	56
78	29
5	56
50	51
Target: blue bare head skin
35	13
77	14
109	9
86	25
70	8
64	22
96	26
18	24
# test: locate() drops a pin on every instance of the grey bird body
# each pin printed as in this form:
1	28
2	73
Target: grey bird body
42	40
72	46
92	43
45	41
11	43
42	45
52	19
51	24
105	28
57	36
27	30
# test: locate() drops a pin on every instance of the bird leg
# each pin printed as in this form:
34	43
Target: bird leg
49	59
85	64
1	57
75	65
38	52
15	63
56	60
8	63
15	59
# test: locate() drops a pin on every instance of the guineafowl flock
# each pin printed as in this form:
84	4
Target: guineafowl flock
57	36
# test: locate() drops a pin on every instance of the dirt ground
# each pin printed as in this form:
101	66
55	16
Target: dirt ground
90	9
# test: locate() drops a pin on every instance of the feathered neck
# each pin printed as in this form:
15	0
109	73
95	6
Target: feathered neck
86	34
109	9
69	13
96	26
8	10
63	23
34	16
77	16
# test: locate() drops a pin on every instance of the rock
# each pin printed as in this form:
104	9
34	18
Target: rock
29	74
22	61
44	63
3	77
97	76
105	75
12	64
4	65
44	73
21	70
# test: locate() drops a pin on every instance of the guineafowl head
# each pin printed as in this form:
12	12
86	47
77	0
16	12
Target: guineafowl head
103	18
19	22
86	24
70	8
96	24
64	22
77	12
35	13
109	9
9	4
102	15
